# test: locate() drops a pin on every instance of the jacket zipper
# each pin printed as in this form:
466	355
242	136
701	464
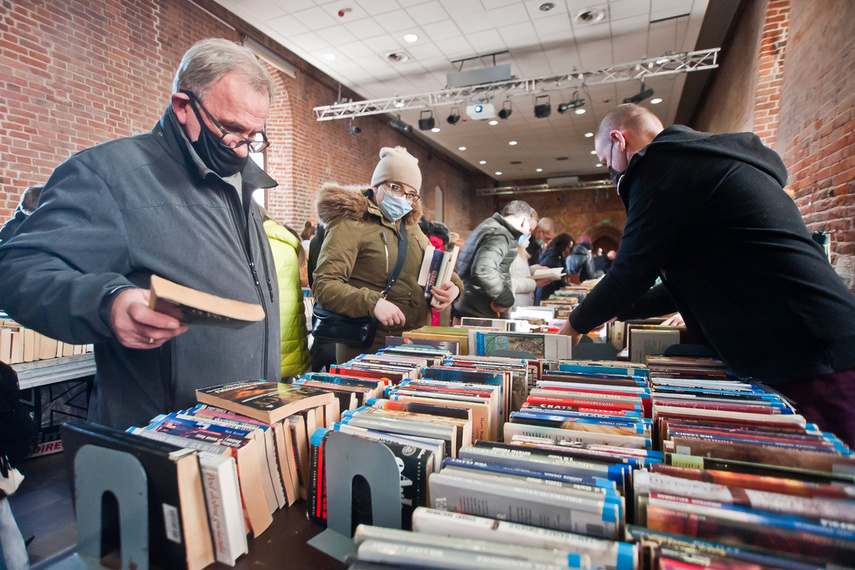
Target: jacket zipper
244	238
386	249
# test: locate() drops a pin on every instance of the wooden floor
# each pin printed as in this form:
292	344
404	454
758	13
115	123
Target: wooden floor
42	506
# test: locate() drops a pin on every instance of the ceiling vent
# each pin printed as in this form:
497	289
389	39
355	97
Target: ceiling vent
397	57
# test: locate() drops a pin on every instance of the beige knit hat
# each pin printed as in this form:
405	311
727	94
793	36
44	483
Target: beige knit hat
397	165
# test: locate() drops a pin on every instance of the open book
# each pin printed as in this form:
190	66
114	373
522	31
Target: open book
195	307
553	273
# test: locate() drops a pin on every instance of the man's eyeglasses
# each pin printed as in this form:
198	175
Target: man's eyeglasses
228	139
398	190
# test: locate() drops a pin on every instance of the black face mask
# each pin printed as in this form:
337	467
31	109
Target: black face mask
218	157
615	174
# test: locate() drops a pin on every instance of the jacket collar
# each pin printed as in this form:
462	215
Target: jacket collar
501	220
171	136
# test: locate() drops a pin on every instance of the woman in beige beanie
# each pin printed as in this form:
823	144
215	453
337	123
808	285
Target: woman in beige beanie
360	250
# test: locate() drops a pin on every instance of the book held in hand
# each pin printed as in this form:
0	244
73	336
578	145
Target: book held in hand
268	402
196	307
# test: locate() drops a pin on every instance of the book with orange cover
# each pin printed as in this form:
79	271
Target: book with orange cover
268	402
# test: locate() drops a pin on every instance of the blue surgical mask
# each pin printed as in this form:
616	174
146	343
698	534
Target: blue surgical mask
522	240
394	208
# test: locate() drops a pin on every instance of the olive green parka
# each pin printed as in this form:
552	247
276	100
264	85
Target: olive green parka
359	252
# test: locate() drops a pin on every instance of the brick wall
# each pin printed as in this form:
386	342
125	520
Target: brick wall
816	128
74	73
786	74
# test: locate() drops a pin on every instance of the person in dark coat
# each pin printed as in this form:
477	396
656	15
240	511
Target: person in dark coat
485	260
554	256
708	214
29	202
580	262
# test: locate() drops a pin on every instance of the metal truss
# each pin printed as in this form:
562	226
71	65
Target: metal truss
539	188
669	64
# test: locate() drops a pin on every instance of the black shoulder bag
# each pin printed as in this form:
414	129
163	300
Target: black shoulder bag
356	332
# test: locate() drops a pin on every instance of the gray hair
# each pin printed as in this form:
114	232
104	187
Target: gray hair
207	61
546	224
520	208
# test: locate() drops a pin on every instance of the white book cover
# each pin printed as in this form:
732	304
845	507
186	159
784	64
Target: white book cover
607	554
222	495
510	501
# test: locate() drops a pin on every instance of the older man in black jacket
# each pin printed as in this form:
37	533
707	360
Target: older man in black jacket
708	214
485	260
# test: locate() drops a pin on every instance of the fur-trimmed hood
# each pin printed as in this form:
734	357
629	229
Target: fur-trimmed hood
354	202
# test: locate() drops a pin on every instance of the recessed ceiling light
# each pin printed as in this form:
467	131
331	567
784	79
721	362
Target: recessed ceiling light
656	100
435	130
493	123
593	152
397	57
399	103
538	170
588	135
411	38
546	6
498	173
590	16
461	148
599	165
329	56
482	162
513	143
580	111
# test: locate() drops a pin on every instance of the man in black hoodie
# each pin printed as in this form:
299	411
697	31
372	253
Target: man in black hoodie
708	214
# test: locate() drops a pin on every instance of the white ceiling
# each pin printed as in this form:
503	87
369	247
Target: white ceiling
538	43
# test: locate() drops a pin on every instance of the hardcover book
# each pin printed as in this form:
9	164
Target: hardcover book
196	307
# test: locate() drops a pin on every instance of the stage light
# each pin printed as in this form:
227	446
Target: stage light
454	117
640	96
426	122
400	125
542	110
354	130
573	104
506	110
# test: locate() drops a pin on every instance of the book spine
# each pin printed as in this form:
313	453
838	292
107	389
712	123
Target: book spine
222	495
433	273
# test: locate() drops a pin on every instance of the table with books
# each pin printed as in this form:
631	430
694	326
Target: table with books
507	462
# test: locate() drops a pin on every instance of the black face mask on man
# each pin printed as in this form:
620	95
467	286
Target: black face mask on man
218	157
614	174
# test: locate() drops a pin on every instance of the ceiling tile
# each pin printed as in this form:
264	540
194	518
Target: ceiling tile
375	7
488	41
288	26
354	49
365	28
444	30
457	48
310	42
619	9
548	26
512	14
425	51
315	18
289	5
395	21
518	35
383	45
459	9
535	13
428	13
472	25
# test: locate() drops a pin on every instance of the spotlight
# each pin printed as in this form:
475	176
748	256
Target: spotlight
542	110
641	96
400	125
506	110
426	123
454	117
354	130
573	104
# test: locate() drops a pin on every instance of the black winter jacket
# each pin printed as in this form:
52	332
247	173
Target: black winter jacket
708	214
484	266
110	217
581	262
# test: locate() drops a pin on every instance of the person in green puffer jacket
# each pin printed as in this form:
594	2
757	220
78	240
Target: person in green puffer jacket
287	256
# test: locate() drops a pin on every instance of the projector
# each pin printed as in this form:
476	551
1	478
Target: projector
481	111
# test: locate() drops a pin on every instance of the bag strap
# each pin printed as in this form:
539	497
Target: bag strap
399	264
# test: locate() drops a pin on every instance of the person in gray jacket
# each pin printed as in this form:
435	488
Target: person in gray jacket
485	260
175	202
